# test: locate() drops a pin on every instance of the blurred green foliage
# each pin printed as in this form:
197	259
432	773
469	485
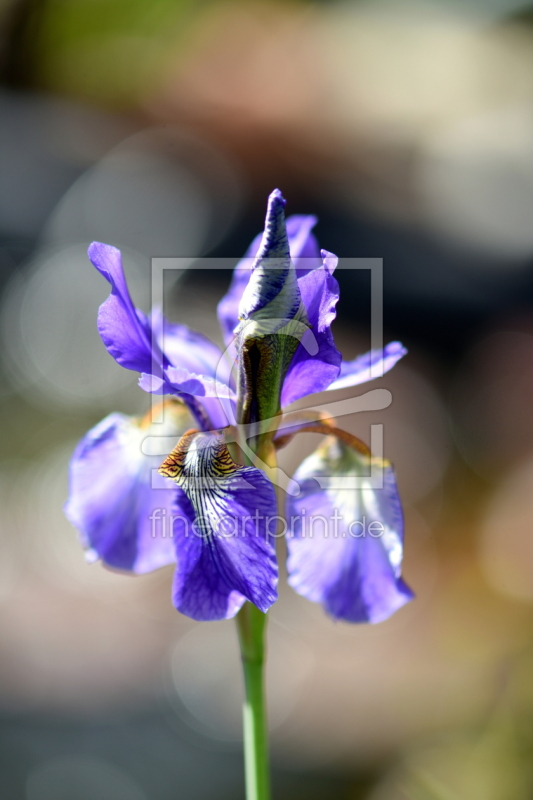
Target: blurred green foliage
107	51
110	50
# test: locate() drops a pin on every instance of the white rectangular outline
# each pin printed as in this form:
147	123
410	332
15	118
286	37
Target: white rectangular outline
161	263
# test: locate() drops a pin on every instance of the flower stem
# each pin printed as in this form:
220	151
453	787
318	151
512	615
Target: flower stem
251	625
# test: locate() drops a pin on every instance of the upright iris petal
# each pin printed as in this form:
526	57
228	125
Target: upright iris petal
305	252
223	548
313	369
117	501
346	544
155	347
273	320
186	348
124	329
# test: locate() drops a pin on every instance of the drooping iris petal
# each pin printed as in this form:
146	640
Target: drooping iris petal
346	544
223	545
305	256
125	331
118	502
312	369
359	370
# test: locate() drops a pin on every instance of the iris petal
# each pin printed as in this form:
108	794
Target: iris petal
313	370
224	551
182	381
124	329
217	400
117	501
359	370
188	349
305	252
152	346
346	544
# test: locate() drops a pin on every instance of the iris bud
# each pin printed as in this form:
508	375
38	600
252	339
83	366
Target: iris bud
272	321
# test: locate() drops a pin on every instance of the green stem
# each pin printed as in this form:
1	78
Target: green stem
251	625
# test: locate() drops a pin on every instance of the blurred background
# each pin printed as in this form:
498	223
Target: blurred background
160	126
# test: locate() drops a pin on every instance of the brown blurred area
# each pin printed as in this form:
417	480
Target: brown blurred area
160	127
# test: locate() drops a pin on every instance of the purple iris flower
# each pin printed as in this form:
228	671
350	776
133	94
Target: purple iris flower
204	510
